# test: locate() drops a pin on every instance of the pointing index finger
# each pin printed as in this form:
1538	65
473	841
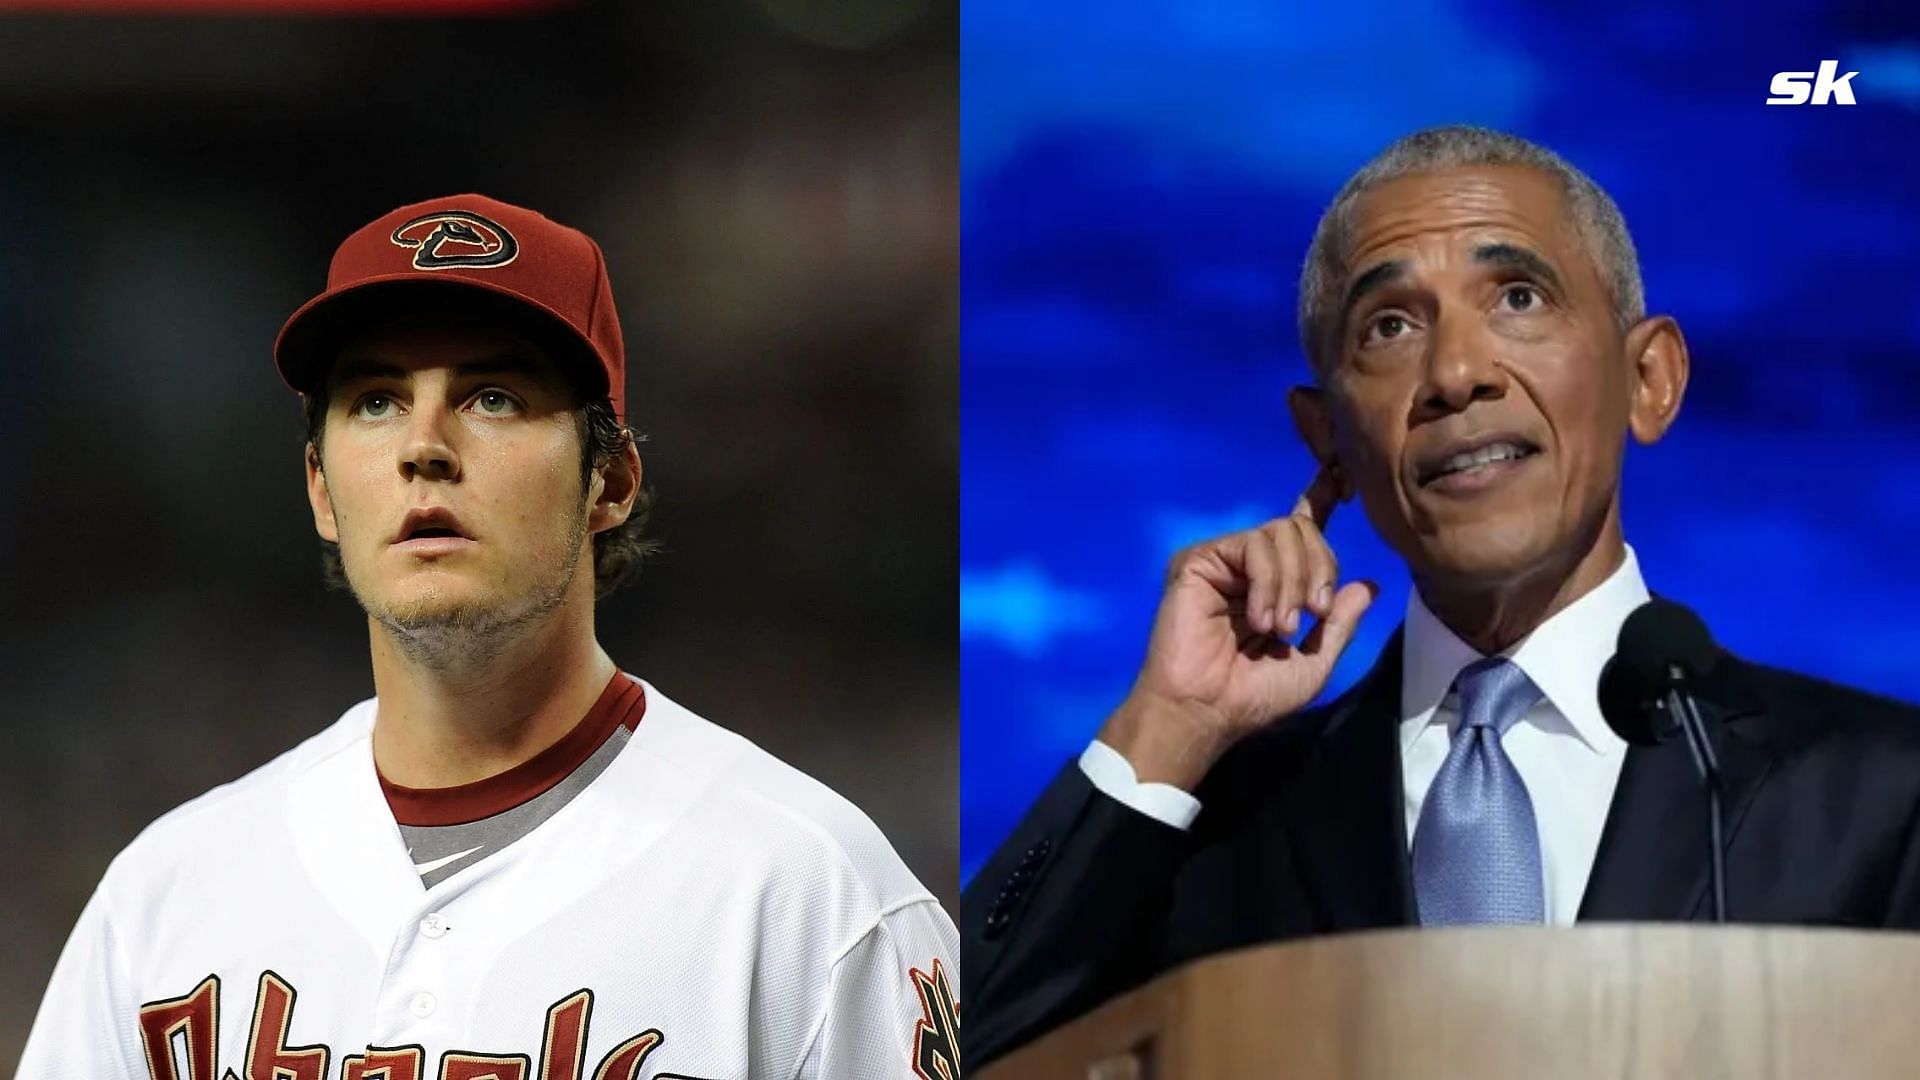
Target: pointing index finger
1322	495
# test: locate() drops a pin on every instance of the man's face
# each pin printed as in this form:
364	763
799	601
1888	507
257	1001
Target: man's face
450	475
1479	388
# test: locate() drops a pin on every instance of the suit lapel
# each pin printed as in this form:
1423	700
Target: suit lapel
1652	860
1345	818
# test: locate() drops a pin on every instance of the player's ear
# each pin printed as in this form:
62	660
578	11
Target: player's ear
616	485
319	499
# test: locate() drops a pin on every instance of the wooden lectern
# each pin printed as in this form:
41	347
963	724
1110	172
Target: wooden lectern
1615	1001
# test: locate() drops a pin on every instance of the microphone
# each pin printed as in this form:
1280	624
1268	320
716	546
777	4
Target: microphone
1646	696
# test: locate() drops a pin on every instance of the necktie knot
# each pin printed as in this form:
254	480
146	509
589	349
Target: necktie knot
1494	694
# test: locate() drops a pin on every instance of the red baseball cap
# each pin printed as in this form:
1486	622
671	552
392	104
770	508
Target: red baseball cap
547	277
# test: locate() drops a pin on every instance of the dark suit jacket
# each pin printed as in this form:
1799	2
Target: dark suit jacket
1302	831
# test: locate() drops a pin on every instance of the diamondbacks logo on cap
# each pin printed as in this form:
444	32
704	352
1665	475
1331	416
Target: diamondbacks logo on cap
456	238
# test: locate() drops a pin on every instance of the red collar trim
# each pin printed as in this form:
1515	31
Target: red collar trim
621	704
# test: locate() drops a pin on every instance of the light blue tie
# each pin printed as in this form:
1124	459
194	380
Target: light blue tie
1476	850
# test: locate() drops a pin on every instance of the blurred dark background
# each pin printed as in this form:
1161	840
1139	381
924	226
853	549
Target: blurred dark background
775	185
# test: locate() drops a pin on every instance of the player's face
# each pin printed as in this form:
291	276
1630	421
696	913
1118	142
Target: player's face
1474	313
450	476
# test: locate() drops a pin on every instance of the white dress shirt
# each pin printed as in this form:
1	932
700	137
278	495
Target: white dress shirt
1563	749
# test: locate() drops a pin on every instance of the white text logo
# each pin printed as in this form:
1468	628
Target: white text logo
1794	87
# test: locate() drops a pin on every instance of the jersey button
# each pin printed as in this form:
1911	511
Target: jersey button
433	926
424	1003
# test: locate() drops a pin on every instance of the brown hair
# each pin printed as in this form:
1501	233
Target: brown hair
617	552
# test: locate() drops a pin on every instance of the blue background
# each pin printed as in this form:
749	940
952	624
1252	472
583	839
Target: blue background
1139	184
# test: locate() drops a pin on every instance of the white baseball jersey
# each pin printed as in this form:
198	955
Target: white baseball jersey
699	909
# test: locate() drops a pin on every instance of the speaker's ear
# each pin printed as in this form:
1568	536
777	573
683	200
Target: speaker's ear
1340	476
1659	367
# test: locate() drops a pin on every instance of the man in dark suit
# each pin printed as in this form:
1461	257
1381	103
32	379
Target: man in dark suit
1471	307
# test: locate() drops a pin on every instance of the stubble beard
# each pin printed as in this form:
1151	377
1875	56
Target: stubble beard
467	637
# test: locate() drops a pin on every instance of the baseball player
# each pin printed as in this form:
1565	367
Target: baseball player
516	862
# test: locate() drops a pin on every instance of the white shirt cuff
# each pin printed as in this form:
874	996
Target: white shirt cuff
1113	774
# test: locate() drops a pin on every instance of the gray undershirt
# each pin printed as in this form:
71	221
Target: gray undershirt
440	851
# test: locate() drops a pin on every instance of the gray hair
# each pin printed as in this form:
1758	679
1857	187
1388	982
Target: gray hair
1459	146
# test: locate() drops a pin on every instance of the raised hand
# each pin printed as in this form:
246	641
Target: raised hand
1226	656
